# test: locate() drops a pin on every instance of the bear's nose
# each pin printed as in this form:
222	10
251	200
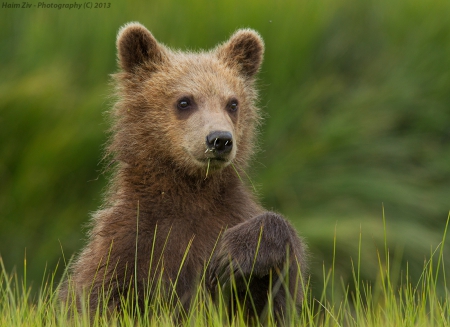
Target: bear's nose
219	142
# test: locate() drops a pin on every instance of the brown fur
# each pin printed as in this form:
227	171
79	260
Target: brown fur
172	191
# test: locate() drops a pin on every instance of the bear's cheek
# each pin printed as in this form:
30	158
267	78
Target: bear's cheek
192	136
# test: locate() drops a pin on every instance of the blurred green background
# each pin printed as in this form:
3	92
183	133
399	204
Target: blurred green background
357	102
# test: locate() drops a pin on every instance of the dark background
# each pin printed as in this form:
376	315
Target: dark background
357	102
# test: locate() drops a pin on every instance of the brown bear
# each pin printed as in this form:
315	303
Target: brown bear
183	130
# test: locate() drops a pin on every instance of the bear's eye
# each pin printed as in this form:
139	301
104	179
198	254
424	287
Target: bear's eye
184	103
233	105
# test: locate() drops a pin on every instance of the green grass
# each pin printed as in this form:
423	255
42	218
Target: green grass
394	299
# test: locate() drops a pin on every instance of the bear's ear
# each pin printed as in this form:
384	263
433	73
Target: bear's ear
136	46
243	51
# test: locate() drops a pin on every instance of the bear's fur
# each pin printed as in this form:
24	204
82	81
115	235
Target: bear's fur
183	131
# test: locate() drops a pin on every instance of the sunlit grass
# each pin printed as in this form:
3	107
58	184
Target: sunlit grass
392	300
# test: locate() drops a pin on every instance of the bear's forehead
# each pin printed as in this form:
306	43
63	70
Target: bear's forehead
202	73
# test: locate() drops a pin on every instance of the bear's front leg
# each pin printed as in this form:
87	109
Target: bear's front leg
258	254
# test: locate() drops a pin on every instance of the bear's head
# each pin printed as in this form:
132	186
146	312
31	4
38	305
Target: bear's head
194	111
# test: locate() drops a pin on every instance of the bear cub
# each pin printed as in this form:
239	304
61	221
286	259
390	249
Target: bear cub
177	213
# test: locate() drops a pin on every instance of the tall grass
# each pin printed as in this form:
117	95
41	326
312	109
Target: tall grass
393	300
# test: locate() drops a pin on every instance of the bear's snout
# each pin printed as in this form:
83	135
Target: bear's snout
219	142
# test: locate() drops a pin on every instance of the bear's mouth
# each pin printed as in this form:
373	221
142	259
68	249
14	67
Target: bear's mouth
215	157
215	163
210	159
215	160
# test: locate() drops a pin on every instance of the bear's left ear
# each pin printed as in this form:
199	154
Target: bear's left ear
136	46
243	51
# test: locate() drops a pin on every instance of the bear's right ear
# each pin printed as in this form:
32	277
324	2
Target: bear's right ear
136	46
243	51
